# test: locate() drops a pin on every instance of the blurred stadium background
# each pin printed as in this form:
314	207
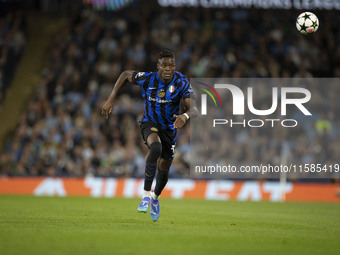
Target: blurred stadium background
60	59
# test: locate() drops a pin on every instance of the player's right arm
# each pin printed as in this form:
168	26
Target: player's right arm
108	106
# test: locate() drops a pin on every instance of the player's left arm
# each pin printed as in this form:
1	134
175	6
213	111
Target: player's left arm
191	112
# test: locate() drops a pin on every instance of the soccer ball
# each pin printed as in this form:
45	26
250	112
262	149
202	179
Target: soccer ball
307	23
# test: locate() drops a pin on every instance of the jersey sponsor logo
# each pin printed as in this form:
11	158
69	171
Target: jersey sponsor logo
172	88
154	129
161	101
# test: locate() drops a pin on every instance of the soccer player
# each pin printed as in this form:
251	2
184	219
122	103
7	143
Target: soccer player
163	92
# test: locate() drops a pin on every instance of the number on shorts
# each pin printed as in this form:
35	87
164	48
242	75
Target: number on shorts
173	150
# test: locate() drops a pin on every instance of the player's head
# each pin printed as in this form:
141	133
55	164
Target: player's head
166	65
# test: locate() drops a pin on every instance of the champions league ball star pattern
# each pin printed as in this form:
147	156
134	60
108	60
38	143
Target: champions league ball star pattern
307	23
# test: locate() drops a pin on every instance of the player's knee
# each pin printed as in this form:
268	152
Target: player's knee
164	165
156	149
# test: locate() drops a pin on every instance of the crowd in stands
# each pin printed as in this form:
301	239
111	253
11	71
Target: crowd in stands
63	134
12	43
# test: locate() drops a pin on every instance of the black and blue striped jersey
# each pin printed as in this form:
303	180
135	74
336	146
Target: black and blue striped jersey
162	100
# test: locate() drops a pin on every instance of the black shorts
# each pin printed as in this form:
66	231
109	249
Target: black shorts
168	138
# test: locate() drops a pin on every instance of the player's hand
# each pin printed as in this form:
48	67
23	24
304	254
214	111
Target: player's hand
180	121
107	109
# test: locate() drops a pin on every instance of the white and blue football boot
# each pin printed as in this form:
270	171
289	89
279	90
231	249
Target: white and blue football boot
154	210
144	205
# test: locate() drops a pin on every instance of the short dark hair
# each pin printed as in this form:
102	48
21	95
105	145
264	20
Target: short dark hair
166	53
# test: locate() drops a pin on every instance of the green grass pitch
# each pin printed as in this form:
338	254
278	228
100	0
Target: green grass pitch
79	225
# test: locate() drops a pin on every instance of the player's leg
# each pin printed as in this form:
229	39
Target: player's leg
154	143
168	152
161	181
164	163
162	175
155	146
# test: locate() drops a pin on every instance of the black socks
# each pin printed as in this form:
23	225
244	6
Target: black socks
161	180
151	164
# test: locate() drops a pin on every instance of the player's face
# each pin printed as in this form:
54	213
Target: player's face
166	69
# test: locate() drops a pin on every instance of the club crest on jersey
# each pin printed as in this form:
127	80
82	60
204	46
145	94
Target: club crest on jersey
172	88
161	93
